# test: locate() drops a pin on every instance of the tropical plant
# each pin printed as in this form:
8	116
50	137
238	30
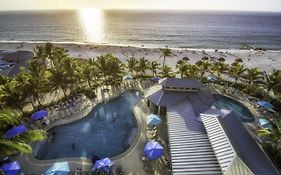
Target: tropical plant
56	80
70	69
132	64
143	65
154	66
237	70
182	68
20	143
272	80
166	71
253	75
219	67
29	86
203	65
11	95
166	52
87	73
191	71
111	69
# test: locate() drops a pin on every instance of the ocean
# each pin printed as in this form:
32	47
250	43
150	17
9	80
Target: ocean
175	29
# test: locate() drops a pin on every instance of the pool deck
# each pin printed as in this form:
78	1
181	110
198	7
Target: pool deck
130	160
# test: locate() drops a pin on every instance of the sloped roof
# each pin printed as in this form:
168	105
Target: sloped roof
181	82
199	100
246	147
166	98
191	151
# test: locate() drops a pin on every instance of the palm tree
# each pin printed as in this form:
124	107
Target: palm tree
9	118
101	65
154	65
110	67
69	67
87	74
116	70
219	68
56	80
11	95
237	70
253	75
166	71
272	80
26	85
182	68
143	65
166	53
191	71
132	64
203	65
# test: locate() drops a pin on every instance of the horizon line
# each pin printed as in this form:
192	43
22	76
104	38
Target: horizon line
127	9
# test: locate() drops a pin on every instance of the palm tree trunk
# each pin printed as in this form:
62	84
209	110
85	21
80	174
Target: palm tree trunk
164	59
32	104
89	83
63	91
21	109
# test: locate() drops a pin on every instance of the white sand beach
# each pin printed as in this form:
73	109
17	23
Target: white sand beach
265	60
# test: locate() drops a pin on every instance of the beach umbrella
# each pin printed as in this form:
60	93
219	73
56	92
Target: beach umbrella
127	77
103	164
264	123
58	168
39	115
155	79
265	104
211	78
153	119
17	130
12	168
185	58
153	150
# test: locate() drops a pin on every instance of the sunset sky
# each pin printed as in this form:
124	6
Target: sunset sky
243	5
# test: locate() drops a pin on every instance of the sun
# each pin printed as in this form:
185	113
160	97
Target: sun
92	20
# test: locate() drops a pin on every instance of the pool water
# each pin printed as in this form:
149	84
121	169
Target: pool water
241	111
108	130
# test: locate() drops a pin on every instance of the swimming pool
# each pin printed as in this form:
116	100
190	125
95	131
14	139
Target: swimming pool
241	111
108	130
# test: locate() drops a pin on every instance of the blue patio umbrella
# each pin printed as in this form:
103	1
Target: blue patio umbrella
39	115
153	150
264	123
17	130
59	168
103	164
211	78
265	104
155	79
127	77
153	119
12	168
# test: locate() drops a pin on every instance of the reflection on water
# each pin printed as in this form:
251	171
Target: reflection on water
92	22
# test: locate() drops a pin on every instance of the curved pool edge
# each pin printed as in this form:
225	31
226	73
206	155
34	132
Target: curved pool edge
78	161
242	104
